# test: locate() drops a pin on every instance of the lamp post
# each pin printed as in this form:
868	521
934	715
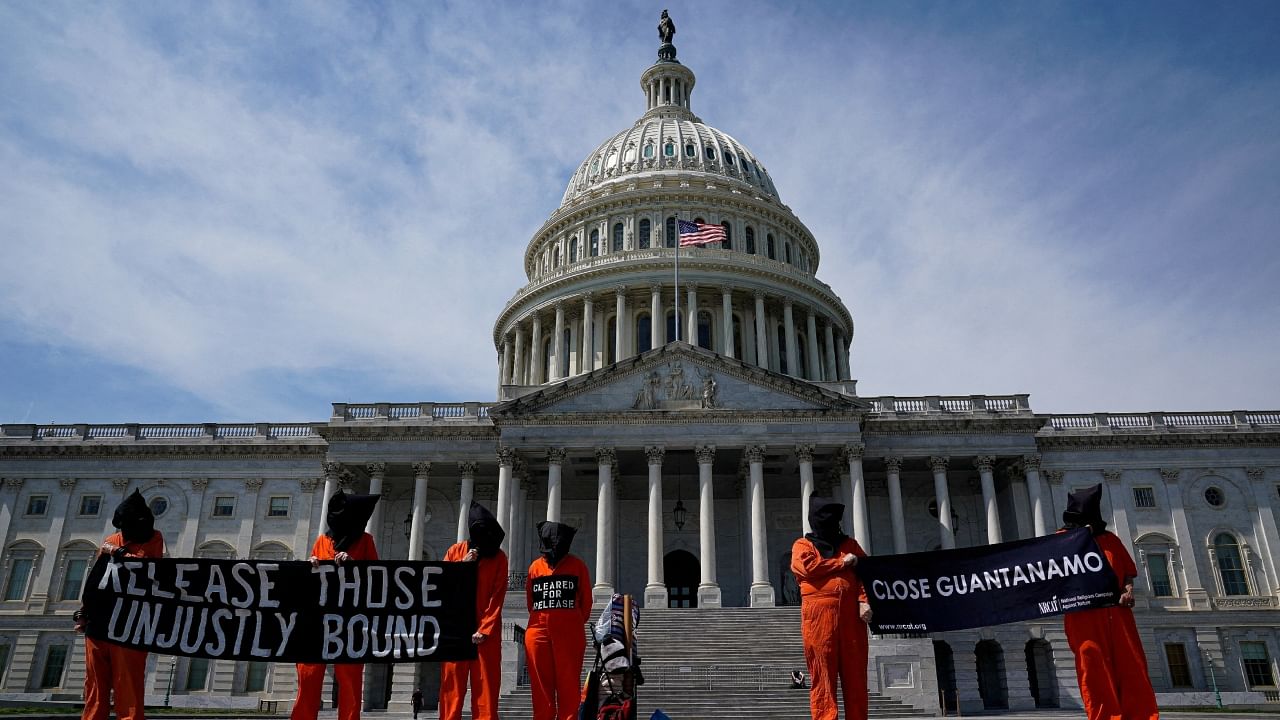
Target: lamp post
678	514
1213	678
173	669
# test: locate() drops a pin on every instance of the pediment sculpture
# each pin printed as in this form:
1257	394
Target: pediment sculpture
675	391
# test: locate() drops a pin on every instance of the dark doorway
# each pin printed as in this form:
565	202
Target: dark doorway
1044	681
945	663
788	588
992	685
682	572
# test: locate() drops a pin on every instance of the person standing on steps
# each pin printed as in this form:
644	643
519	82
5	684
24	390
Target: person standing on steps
417	702
558	593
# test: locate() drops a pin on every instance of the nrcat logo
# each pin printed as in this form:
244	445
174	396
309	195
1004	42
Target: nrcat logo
1050	606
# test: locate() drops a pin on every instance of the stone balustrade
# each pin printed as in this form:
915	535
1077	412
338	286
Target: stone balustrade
422	412
135	431
1192	421
951	404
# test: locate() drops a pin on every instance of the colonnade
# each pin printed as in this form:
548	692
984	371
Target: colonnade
766	329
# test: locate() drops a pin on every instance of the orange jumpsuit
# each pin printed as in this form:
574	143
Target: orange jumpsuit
555	642
485	672
108	665
835	637
1111	666
349	676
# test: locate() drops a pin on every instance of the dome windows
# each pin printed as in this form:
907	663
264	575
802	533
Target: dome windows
611	159
727	244
671	232
617	238
728	158
648	150
646	229
669	149
595	243
690	150
751	240
710	153
595	167
630	154
573	249
769	247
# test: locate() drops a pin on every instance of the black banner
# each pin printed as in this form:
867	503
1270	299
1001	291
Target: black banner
987	585
374	611
555	592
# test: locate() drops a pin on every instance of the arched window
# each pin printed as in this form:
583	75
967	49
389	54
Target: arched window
617	238
787	248
704	329
19	561
671	231
782	350
645	231
216	550
595	243
76	558
271	551
728	235
768	246
644	333
1230	565
573	249
751	240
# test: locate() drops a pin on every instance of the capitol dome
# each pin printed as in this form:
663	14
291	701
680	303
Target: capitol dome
602	270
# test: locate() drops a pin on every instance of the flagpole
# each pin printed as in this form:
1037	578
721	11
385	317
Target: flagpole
677	280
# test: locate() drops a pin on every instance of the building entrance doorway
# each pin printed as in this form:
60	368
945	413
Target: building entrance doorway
991	679
682	572
1044	682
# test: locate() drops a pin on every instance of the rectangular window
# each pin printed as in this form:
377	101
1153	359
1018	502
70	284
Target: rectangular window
1144	497
1179	671
1257	666
224	506
1158	571
19	573
90	505
4	661
278	506
73	579
197	673
255	679
37	505
55	661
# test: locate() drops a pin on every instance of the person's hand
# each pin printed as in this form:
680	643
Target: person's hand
849	560
471	556
342	557
315	561
864	612
1126	598
78	618
479	637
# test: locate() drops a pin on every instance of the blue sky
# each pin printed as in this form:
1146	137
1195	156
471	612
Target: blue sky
245	211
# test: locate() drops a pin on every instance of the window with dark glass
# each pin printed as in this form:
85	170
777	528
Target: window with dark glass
611	341
711	153
751	240
90	505
787	248
1158	571
728	236
564	361
224	506
1257	664
197	674
278	506
595	243
55	661
671	231
1214	496
73	578
1230	567
37	504
690	150
15	587
782	350
645	231
704	329
555	257
768	247
159	505
1144	497
728	158
672	328
573	249
1175	654
617	237
802	361
255	679
737	338
669	149
648	150
644	333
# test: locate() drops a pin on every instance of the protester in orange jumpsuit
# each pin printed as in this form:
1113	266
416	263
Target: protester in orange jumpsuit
558	593
1111	666
345	540
485	672
833	613
110	666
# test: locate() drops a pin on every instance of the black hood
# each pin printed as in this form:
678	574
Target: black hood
1084	508
554	540
486	533
824	521
348	514
134	519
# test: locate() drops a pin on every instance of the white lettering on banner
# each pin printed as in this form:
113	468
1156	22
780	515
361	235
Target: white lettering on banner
994	579
351	637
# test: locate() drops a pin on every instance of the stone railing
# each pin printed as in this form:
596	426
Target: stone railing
422	412
1234	420
951	404
136	431
1247	602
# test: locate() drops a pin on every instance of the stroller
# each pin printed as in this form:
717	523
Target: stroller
610	690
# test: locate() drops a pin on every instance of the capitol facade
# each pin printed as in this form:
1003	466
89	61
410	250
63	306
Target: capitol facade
681	425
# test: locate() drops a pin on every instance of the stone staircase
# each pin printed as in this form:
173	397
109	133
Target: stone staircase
718	663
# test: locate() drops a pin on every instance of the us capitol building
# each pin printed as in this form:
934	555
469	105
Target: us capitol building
682	429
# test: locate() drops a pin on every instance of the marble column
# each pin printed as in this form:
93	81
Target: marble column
655	591
557	362
421	473
861	524
691	313
761	589
893	468
536	356
726	319
842	358
588	362
332	475
832	373
1035	493
606	528
519	530
377	473
985	464
789	324
762	337
506	462
620	325
517	370
506	361
708	588
9	491
804	453
555	466
466	493
1120	499
656	325
946	533
811	332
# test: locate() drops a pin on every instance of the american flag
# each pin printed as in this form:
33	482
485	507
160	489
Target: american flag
696	233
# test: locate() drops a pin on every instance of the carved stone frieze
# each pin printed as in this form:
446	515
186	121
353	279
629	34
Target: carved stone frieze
308	484
1111	475
1256	474
199	484
67	484
253	484
120	484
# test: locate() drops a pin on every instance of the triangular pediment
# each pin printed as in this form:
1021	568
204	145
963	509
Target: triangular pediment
675	378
